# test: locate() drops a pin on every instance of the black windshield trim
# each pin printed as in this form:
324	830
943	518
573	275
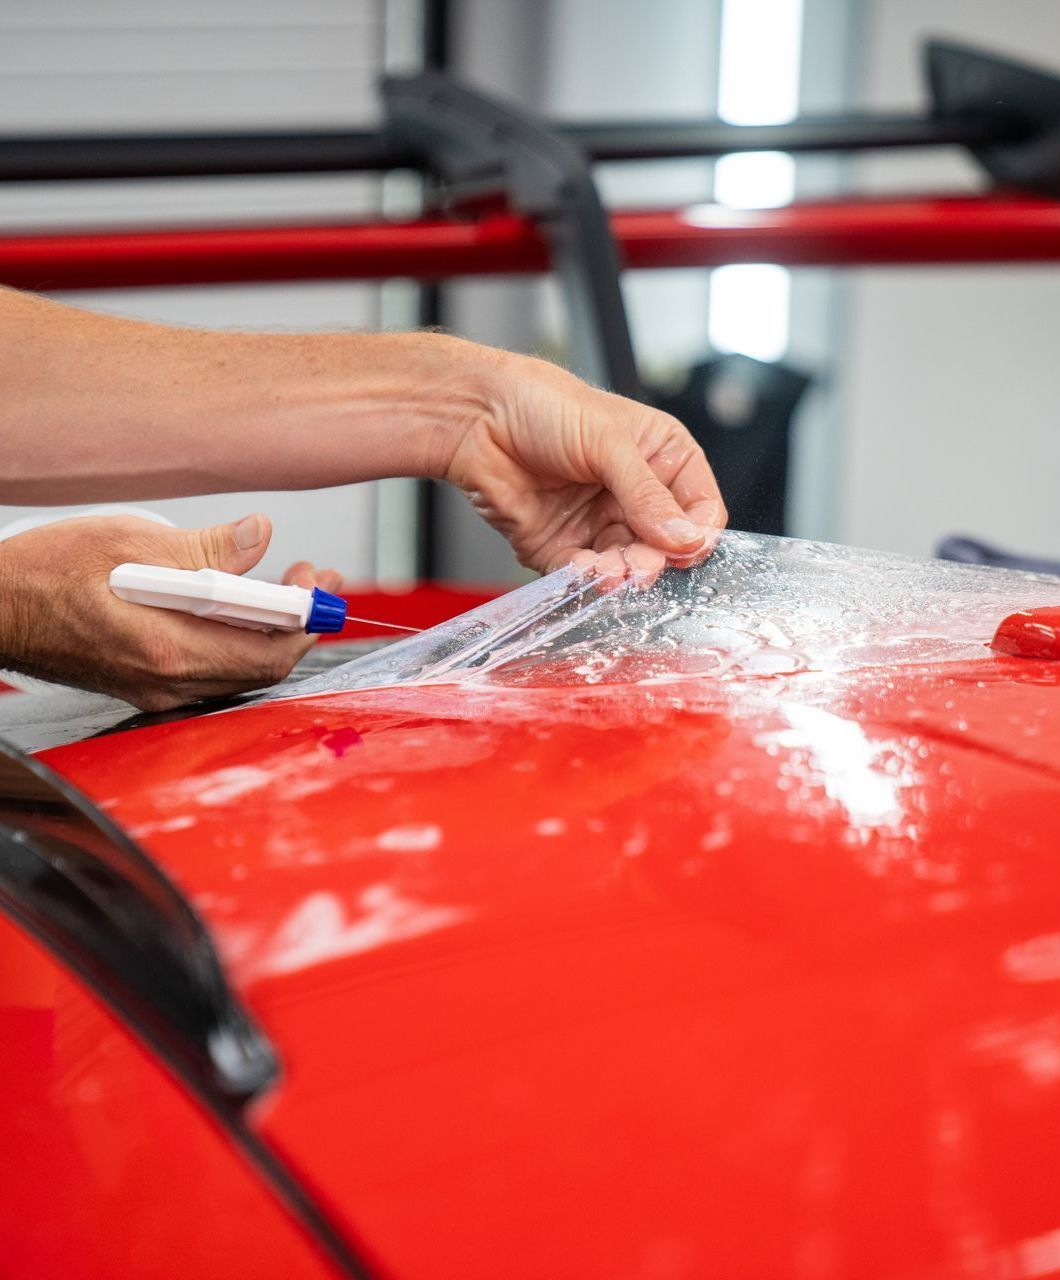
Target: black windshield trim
76	881
116	920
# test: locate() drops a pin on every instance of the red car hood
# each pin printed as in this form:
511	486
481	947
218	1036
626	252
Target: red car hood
754	976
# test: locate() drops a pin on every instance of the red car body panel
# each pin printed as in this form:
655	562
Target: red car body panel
109	1168
755	977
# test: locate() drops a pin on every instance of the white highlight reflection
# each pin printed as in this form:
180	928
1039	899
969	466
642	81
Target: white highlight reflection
318	930
847	761
1035	960
1039	1256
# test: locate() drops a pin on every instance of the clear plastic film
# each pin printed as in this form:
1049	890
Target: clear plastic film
759	606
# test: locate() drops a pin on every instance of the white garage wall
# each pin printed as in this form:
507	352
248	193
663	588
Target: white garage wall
120	65
629	60
951	379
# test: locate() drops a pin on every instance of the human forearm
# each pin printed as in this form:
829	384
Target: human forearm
97	408
94	408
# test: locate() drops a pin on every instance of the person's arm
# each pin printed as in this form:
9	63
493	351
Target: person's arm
60	621
95	408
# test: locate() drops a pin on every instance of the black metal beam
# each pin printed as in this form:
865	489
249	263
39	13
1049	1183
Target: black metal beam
478	145
47	158
633	140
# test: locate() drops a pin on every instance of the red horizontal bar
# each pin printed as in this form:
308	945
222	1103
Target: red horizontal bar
428	249
883	232
953	229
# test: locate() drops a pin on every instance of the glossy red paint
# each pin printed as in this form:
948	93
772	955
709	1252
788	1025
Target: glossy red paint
753	977
855	232
1031	633
108	1168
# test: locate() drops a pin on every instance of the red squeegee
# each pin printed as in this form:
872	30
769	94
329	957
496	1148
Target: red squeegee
1031	633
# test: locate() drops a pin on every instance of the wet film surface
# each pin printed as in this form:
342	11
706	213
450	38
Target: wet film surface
760	606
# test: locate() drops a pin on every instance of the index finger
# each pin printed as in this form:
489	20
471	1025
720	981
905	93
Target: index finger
705	515
695	488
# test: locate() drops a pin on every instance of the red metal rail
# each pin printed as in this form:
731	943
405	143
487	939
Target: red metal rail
947	229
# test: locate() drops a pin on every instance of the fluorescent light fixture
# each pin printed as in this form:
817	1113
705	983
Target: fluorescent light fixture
749	310
754	180
758	70
758	83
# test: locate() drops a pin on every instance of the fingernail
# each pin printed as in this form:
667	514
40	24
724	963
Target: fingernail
583	561
643	560
611	564
683	531
249	532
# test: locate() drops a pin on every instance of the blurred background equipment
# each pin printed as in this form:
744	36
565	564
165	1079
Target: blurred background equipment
740	410
236	164
969	551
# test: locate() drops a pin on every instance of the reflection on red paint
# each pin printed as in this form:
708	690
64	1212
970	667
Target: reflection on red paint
339	741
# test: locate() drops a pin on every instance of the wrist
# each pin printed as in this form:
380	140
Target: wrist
366	406
443	388
14	620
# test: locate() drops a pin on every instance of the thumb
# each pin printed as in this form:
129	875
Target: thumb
232	548
648	507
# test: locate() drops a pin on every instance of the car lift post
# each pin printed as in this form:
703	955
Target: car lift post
482	151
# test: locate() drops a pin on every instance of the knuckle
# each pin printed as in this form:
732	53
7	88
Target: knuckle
208	546
645	492
616	534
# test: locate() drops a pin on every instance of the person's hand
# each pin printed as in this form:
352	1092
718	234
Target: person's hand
567	472
60	621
